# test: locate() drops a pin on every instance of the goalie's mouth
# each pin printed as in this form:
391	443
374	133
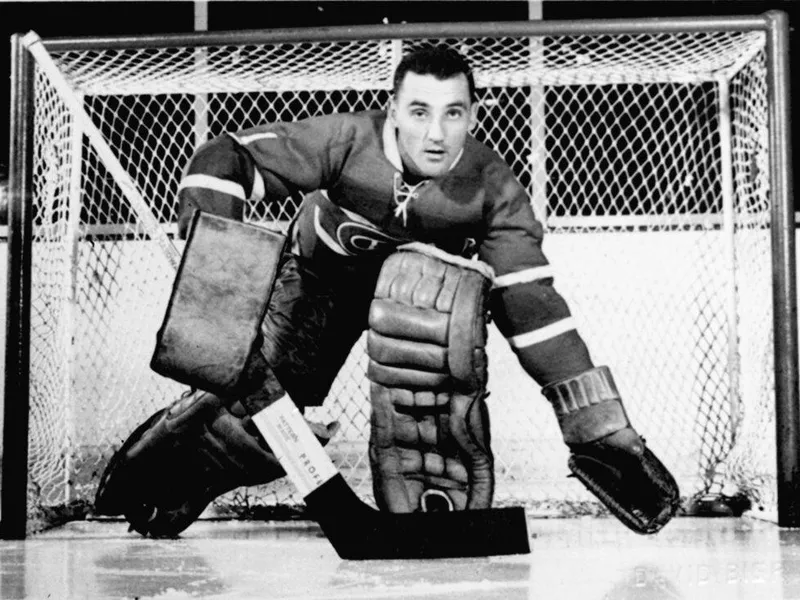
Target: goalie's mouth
435	153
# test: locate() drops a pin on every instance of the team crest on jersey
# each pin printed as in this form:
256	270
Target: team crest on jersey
350	234
358	239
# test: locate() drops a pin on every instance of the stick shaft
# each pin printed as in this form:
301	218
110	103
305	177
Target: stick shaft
297	449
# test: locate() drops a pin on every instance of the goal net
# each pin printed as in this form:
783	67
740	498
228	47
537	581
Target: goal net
645	154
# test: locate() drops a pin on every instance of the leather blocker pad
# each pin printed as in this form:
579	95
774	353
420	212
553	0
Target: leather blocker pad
211	328
429	439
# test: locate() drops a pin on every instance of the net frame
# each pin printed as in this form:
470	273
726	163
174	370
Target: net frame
14	488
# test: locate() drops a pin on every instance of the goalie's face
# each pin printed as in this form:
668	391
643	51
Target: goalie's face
432	118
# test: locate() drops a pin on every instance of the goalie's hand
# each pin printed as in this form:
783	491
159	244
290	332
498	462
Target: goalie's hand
608	456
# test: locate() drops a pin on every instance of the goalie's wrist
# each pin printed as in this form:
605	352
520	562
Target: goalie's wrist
588	406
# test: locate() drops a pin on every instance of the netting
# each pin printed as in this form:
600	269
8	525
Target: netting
644	155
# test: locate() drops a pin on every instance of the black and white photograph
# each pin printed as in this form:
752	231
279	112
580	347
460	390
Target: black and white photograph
399	299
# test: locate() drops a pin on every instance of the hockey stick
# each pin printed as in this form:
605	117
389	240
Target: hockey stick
356	530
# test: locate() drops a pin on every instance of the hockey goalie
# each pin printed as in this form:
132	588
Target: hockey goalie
409	229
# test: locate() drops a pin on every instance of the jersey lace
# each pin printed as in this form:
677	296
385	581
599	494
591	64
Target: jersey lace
404	193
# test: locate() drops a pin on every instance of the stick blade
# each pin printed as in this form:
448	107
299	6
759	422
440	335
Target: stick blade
358	532
437	535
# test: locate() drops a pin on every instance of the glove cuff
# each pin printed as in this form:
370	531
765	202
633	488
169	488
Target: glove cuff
588	406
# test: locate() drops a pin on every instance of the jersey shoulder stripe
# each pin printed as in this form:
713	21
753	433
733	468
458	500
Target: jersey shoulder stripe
210	182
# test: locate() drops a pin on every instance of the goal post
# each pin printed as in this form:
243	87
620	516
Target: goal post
784	269
657	150
16	403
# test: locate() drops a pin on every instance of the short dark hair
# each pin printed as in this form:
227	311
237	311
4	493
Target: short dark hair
440	61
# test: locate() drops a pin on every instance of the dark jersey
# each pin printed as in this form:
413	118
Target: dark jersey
356	206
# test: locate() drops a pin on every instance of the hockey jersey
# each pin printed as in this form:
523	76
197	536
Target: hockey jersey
357	205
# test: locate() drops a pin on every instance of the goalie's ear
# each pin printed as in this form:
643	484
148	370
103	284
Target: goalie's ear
473	115
391	111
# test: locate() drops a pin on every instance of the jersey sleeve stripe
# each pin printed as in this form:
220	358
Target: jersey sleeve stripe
525	276
544	333
216	184
254	137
